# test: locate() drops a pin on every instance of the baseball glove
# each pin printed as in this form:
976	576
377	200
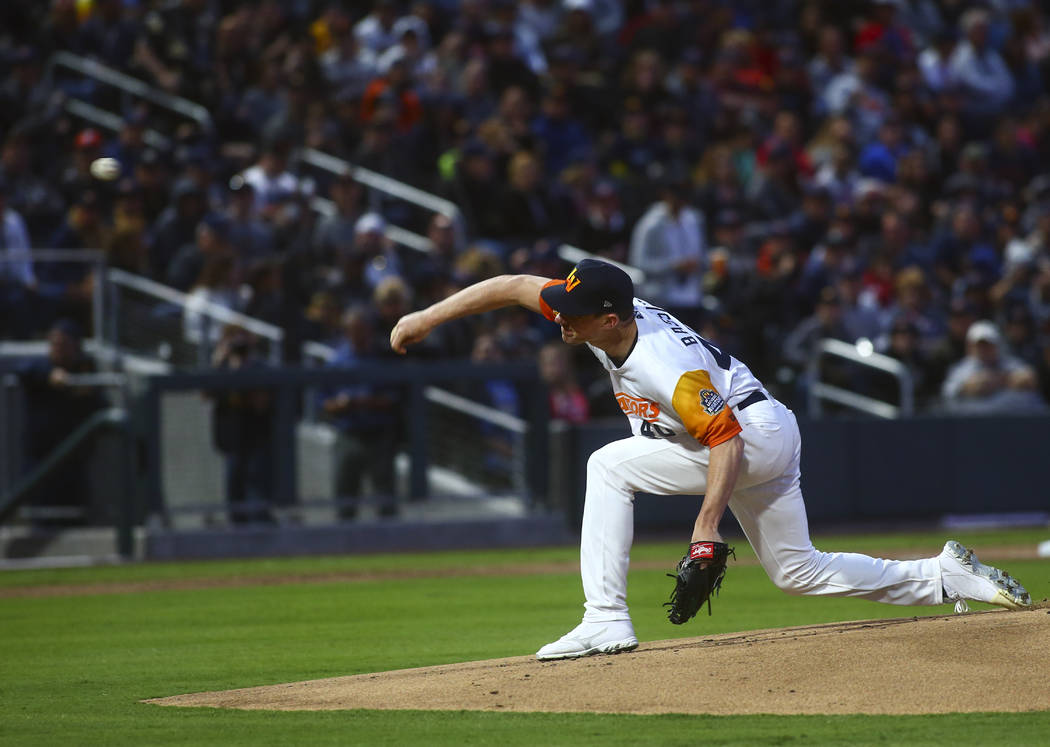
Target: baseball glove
699	574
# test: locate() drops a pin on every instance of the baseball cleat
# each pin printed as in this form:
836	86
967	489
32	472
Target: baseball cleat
965	577
591	638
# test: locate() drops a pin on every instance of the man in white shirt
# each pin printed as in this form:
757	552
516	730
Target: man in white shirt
701	424
986	83
668	245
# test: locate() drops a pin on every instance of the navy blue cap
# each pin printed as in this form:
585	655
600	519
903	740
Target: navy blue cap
593	287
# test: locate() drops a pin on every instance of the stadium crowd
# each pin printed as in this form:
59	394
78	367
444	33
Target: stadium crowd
782	172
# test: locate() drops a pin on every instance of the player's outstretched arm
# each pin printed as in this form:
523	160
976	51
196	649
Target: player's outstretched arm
494	293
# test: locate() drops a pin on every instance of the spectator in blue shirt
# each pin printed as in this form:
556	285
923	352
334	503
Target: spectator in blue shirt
366	416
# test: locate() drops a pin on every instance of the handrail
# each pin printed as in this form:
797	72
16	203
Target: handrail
111	121
105	74
820	390
113	416
574	254
86	256
491	415
217	311
403	236
375	180
861	402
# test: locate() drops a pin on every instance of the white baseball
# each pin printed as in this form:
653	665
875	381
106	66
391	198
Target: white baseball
105	169
1044	549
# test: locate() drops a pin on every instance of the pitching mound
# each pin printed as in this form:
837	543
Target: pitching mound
985	661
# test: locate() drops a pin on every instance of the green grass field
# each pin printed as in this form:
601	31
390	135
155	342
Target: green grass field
73	668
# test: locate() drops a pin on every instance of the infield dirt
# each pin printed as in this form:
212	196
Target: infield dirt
981	661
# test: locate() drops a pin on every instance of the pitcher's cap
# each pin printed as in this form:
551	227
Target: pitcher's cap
593	287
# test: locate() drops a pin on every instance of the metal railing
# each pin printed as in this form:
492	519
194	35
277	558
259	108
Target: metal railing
110	121
95	258
403	236
95	70
820	391
574	254
201	317
386	185
288	385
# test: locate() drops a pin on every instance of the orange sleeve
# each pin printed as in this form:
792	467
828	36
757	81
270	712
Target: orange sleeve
545	308
703	409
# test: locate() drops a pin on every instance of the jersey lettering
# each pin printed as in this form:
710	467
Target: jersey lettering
645	409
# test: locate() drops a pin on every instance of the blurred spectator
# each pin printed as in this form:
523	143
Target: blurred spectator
242	429
560	134
251	237
530	208
367	418
17	280
392	299
176	47
323	318
176	226
375	32
76	177
984	80
1020	335
668	245
55	407
913	303
776	191
935	62
335	233
903	344
67	285
212	287
498	444
962	249
825	323
29	193
273	183
212	240
150	178
603	229
393	92
857	94
127	149
374	250
128	248
567	400
831	60
878	160
476	190
990	381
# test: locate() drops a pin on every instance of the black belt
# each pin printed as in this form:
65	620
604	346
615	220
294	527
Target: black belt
755	396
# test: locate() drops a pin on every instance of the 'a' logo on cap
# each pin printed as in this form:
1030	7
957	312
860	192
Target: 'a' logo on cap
571	281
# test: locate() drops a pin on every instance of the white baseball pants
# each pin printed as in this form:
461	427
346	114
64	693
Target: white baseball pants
767	503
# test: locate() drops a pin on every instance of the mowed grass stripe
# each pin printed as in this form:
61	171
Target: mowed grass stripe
140	577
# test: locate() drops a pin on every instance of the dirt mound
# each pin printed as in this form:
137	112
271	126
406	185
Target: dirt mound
984	661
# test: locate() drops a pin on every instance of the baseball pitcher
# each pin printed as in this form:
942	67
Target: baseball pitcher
701	424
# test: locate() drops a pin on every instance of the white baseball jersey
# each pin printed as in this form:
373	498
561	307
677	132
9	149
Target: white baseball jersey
674	387
674	382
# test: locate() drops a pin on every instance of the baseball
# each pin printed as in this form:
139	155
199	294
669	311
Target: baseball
105	169
1044	549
